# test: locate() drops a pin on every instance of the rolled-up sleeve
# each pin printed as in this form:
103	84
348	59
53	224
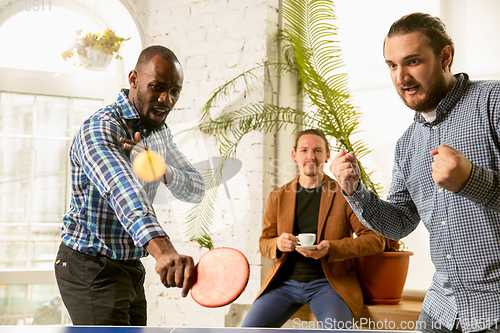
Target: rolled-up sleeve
108	168
187	183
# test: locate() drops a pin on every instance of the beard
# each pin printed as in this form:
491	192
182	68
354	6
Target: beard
146	117
311	172
436	91
149	123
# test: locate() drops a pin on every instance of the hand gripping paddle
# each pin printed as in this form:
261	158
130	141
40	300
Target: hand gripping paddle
221	276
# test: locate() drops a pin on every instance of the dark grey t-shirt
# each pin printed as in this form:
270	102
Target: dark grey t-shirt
297	267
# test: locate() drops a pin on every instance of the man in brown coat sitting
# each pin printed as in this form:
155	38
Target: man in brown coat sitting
324	277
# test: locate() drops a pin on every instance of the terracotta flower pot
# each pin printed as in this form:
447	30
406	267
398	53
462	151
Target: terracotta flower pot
382	276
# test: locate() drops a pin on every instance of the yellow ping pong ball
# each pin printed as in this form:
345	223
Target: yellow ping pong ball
149	166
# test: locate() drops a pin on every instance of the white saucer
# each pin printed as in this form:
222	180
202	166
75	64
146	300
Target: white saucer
307	247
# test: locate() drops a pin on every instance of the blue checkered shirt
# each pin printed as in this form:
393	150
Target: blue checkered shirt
464	227
111	212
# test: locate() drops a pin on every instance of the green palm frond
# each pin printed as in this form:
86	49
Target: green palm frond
231	128
310	33
203	213
311	52
247	78
254	117
244	83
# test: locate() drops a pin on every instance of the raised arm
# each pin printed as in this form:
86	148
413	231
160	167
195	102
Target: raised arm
395	218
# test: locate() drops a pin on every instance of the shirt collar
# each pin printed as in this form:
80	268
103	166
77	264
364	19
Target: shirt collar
449	101
128	110
430	116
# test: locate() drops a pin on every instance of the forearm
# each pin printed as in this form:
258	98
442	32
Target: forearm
185	183
159	246
187	186
348	247
483	188
394	219
268	241
269	248
173	269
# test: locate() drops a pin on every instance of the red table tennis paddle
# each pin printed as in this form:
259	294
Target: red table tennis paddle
221	276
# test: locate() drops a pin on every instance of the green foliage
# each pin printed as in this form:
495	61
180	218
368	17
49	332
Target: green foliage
109	42
312	53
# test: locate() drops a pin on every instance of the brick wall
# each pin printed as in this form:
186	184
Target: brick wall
214	40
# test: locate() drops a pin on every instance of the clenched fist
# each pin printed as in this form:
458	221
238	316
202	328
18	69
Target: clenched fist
450	169
345	168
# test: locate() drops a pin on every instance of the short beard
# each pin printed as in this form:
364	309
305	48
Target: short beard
313	172
149	124
146	121
436	92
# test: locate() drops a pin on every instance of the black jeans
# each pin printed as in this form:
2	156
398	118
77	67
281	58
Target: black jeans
99	290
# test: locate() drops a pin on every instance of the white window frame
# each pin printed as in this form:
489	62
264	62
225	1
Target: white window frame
64	85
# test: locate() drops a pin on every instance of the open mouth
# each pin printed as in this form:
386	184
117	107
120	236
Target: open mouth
160	113
161	109
411	89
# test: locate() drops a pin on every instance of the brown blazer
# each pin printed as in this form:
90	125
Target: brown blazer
336	223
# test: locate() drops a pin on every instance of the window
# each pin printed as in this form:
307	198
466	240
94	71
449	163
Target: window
47	39
35	134
43	102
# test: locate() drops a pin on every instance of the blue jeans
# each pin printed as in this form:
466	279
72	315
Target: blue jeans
283	299
428	325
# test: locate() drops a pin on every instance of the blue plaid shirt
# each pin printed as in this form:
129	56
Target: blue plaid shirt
464	227
111	212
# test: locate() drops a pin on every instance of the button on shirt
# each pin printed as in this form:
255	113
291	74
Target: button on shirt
111	212
464	227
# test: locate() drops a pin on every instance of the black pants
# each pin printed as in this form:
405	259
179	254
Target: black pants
101	291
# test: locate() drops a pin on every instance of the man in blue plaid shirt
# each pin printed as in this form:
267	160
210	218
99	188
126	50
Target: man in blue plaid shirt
111	223
446	174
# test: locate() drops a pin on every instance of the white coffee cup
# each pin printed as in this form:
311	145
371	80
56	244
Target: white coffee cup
307	239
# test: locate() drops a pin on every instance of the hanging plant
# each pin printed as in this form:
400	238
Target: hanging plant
95	50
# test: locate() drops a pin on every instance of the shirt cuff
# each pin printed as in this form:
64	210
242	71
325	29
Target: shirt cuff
145	229
358	200
360	196
478	187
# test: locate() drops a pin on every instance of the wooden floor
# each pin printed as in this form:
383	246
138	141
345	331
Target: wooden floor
401	316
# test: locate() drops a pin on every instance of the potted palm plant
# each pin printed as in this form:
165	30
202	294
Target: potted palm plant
312	54
95	51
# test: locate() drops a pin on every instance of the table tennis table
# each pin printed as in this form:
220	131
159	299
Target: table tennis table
135	329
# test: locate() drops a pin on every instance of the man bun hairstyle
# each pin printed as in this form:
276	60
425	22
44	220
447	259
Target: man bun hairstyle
430	26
